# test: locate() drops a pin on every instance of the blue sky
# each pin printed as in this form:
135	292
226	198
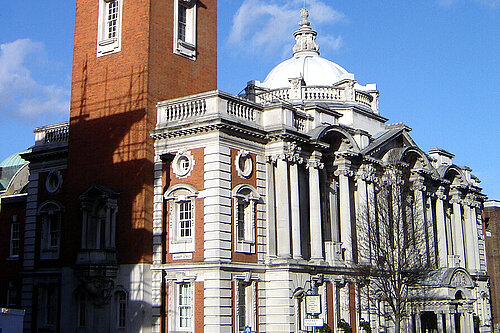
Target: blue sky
435	62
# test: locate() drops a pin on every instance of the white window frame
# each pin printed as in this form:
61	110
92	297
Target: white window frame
177	196
15	242
245	196
246	287
186	46
189	306
105	43
174	282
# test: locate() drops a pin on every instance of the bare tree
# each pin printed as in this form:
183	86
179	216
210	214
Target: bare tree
392	255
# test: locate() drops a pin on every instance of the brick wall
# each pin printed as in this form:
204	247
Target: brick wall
491	221
113	103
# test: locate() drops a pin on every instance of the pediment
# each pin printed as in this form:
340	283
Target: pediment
95	192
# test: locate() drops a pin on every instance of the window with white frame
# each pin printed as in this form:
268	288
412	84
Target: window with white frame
185	28
185	306
109	29
181	215
245	304
245	199
15	237
50	214
121	309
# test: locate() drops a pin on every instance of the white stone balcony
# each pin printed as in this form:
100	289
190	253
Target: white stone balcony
52	134
207	106
341	93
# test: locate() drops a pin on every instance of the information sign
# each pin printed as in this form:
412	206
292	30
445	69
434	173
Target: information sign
313	305
313	322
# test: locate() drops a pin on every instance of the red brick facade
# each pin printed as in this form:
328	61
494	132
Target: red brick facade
491	224
113	109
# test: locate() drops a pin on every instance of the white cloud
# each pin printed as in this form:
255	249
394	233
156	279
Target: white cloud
20	94
267	26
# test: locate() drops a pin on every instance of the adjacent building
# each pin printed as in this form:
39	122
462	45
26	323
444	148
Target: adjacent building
491	217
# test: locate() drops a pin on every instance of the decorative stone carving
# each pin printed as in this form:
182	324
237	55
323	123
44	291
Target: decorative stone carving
183	164
305	37
99	289
460	279
440	193
244	164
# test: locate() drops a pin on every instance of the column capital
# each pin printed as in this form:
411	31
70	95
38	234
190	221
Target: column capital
314	161
367	172
440	193
344	172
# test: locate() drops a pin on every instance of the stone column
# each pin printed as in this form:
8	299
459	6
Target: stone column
271	209
362	217
458	235
314	165
441	228
440	324
450	322
475	235
419	218
468	322
470	259
283	209
295	204
345	212
418	322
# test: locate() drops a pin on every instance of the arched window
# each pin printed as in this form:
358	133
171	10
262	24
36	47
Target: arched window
181	206
245	198
50	215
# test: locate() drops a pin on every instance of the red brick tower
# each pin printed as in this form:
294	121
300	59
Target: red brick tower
128	55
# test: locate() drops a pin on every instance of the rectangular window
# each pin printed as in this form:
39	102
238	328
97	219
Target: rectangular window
122	309
242	307
51	306
15	238
11	296
241	219
112	19
182	22
185	220
185	28
53	230
82	311
185	305
109	27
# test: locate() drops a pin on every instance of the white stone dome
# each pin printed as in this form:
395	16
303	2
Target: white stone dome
306	64
313	69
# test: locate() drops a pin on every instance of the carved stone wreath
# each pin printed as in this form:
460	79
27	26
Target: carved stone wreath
244	164
183	164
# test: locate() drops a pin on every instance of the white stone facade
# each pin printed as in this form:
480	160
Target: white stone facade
318	152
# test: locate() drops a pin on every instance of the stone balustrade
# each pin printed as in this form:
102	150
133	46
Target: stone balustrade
52	134
205	106
318	94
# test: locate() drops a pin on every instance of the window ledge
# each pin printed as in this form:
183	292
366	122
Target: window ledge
107	41
186	49
12	258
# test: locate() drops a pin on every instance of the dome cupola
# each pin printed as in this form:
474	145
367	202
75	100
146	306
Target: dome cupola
306	63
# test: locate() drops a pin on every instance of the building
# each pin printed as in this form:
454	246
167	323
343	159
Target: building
491	217
259	198
165	205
